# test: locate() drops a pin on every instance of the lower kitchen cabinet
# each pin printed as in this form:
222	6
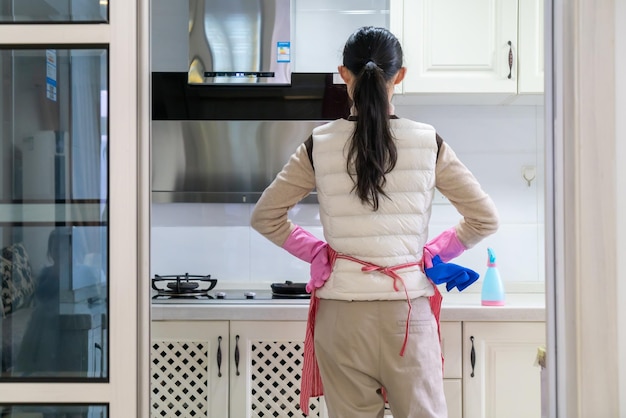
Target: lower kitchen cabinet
189	369
500	378
250	369
266	379
245	369
236	369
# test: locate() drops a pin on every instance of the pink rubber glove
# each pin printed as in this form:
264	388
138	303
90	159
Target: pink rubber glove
306	247
446	245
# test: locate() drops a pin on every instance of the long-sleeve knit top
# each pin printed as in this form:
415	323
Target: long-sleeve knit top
401	223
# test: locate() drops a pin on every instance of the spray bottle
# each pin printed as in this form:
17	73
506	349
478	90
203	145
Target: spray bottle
492	291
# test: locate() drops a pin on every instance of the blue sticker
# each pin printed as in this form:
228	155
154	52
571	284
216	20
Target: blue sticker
283	53
51	74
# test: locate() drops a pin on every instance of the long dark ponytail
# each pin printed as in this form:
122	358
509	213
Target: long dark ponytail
373	56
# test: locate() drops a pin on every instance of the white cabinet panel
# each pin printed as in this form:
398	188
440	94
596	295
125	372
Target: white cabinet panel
500	378
471	51
531	46
460	46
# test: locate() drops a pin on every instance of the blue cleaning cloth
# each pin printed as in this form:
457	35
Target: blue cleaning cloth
452	275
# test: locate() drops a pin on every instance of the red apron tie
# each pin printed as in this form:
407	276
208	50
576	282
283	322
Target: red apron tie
311	383
389	271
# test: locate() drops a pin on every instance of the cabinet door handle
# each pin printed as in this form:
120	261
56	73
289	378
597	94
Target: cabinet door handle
219	356
472	356
237	355
510	59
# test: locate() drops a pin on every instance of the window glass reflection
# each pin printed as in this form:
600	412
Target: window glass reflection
59	11
53	214
54	411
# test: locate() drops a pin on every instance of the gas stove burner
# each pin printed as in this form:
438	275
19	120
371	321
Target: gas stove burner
180	286
186	285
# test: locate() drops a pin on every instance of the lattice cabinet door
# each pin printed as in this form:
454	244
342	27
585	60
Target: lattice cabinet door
190	369
266	380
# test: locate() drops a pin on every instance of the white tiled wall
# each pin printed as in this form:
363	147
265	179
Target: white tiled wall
495	142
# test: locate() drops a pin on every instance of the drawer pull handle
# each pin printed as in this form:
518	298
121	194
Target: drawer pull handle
219	356
472	356
237	355
510	59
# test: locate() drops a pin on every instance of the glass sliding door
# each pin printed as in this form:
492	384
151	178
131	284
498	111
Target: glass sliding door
53	411
53	213
58	11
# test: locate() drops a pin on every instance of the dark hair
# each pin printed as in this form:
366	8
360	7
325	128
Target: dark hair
58	244
374	56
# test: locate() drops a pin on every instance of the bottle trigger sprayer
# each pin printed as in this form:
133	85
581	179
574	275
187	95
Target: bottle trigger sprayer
492	291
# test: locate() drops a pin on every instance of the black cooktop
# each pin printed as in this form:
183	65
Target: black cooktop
188	288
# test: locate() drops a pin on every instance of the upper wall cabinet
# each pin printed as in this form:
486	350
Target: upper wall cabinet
471	46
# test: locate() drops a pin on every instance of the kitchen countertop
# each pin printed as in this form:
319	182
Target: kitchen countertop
456	307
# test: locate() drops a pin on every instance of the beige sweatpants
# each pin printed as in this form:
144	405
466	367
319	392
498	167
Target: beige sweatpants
357	345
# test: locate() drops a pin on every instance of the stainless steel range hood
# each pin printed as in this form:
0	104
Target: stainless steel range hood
239	42
221	161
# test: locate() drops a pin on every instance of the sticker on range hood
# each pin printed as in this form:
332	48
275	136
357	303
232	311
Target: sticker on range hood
284	52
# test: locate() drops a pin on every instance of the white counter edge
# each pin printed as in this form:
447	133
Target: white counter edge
299	312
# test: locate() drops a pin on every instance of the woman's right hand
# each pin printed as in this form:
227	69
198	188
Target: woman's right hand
446	245
320	269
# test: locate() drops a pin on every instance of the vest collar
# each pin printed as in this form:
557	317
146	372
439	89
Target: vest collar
353	118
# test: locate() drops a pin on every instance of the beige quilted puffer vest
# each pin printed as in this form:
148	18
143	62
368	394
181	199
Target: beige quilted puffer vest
396	233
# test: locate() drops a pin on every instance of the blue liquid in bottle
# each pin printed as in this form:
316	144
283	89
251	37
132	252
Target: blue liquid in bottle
492	293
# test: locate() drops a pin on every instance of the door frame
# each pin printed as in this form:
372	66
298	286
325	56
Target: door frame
126	34
585	227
